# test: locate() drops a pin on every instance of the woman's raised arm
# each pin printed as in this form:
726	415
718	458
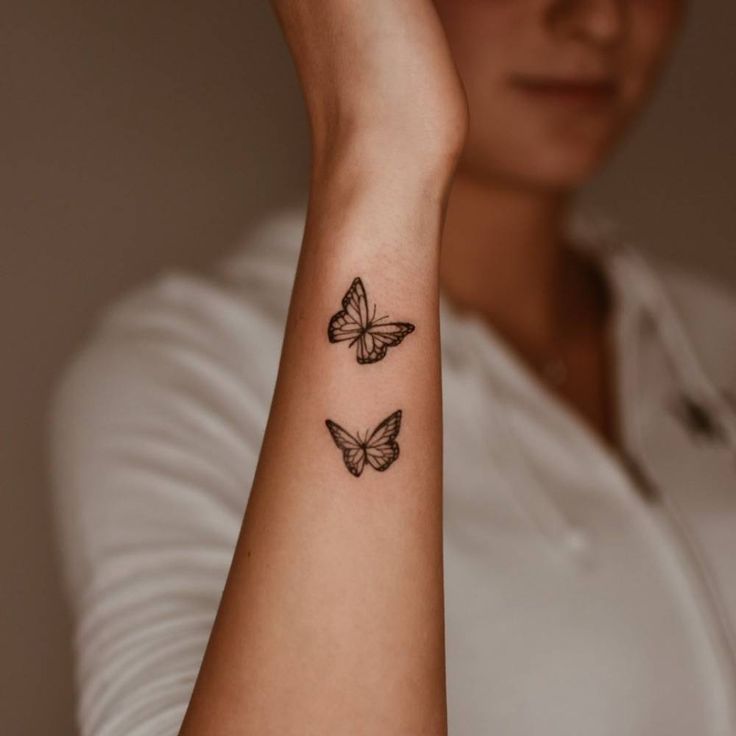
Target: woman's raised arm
331	621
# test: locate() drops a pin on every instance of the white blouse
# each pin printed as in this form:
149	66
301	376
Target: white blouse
585	593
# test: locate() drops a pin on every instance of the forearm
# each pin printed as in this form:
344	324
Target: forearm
331	621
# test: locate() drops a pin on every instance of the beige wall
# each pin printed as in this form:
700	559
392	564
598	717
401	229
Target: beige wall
139	134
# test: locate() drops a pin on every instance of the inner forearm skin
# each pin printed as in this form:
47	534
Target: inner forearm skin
331	621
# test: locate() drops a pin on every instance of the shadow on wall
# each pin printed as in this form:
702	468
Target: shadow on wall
151	133
672	182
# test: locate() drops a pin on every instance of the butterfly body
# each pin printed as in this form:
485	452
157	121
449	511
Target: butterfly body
355	325
378	449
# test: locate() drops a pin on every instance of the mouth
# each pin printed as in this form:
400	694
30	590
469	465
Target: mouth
567	90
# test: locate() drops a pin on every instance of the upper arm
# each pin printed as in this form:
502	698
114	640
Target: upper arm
155	432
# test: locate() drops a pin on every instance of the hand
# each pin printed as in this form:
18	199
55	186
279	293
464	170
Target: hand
377	75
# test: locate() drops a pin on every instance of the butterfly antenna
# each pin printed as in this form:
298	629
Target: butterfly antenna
373	319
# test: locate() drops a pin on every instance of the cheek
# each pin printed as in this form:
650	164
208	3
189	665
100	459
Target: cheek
488	39
652	29
482	32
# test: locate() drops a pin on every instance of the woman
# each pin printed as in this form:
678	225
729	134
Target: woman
579	579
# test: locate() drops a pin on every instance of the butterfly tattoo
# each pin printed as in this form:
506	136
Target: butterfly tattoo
378	448
355	324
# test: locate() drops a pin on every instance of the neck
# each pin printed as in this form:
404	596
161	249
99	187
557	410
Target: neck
504	256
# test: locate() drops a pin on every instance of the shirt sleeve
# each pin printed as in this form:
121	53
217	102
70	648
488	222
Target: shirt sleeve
155	429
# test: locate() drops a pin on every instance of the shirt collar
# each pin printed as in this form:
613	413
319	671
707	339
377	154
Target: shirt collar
642	318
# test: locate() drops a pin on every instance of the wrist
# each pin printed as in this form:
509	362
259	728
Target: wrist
376	162
423	158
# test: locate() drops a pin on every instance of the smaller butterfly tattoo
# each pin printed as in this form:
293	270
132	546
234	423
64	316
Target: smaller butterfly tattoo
378	448
357	325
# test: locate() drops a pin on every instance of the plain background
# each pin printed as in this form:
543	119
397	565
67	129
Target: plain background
138	135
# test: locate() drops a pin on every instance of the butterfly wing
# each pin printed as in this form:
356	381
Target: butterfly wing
382	448
378	338
352	319
353	454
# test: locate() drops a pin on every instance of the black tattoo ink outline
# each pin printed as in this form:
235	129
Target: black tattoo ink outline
378	448
355	324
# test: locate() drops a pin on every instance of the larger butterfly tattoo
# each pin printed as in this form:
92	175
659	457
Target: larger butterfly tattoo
378	448
357	325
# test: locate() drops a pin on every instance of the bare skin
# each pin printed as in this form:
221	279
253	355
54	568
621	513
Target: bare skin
331	621
564	313
430	164
525	157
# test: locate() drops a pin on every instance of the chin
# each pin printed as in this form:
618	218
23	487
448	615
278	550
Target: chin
565	170
554	166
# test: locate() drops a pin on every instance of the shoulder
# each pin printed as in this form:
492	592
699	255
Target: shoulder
224	323
172	382
706	308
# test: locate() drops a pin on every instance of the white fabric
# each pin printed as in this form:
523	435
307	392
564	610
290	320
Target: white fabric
574	605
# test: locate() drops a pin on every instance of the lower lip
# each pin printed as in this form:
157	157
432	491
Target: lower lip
563	93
